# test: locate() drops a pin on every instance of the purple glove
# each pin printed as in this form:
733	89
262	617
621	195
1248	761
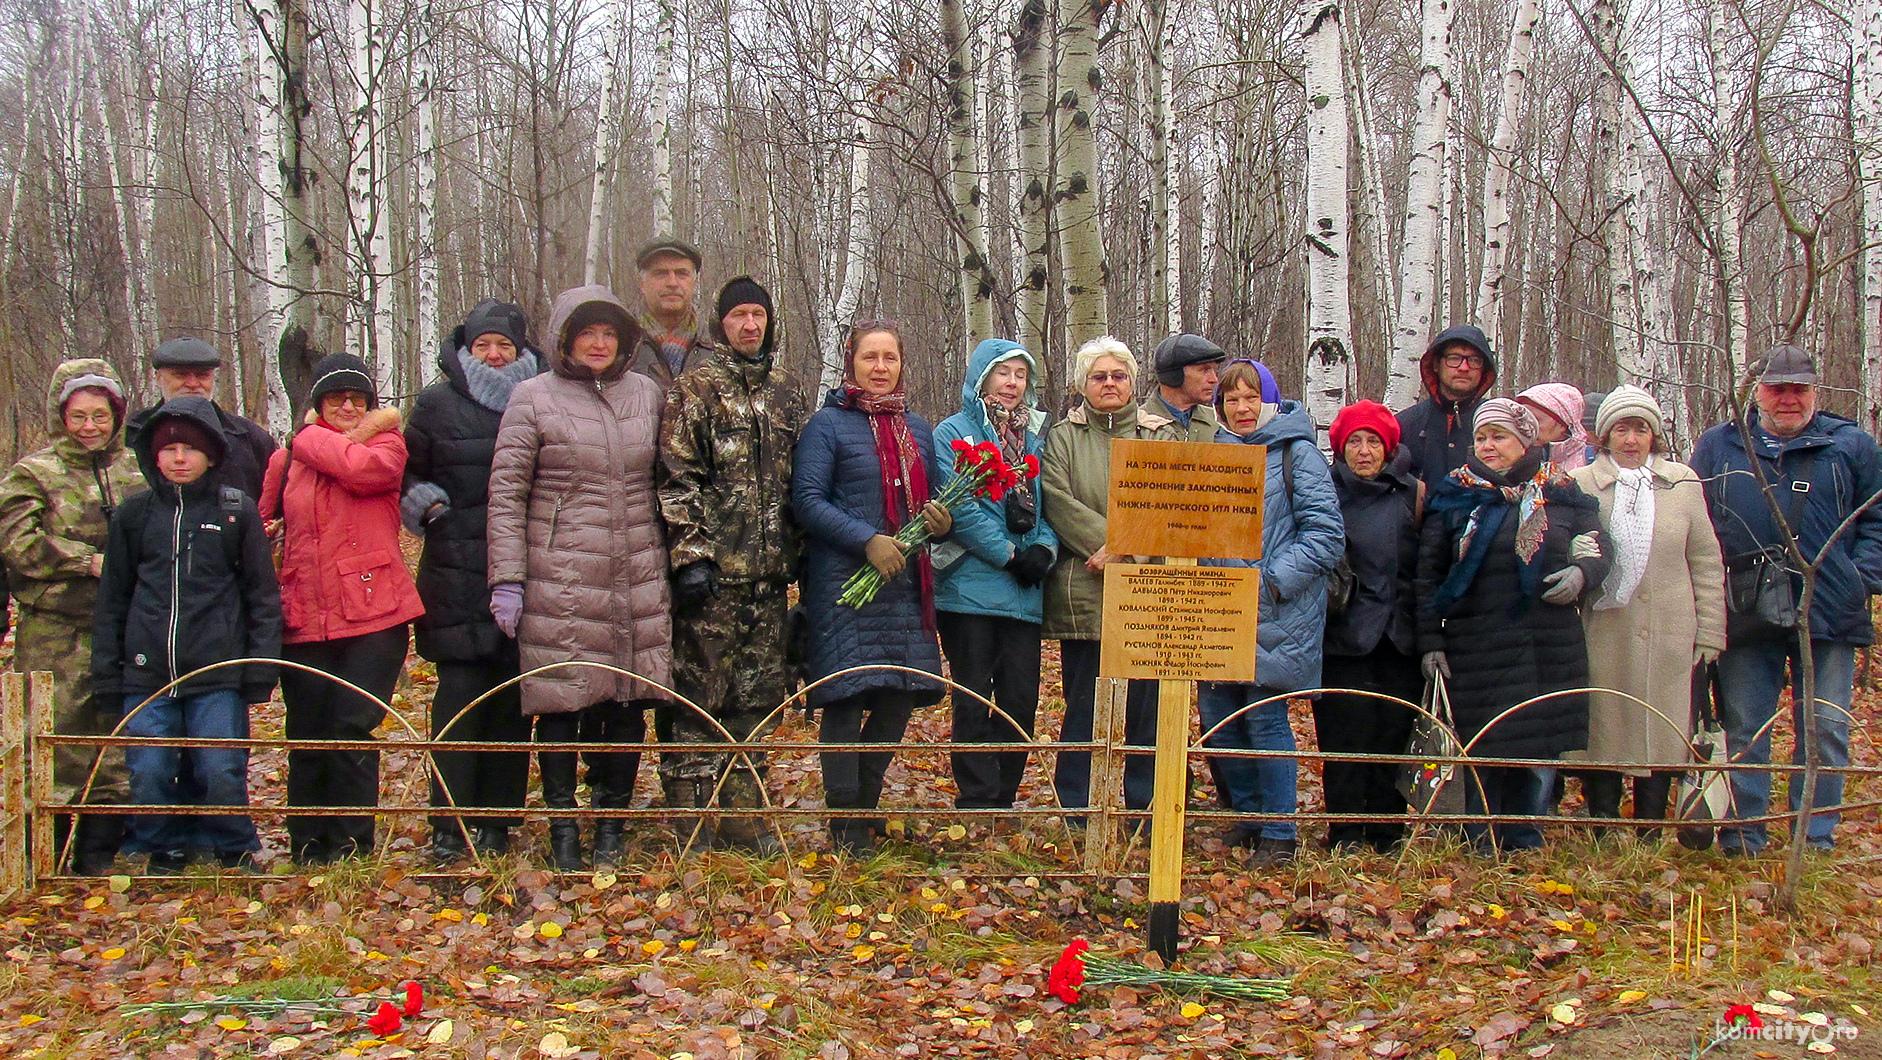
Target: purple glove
506	606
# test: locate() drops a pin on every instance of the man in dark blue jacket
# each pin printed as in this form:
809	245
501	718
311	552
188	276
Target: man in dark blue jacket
1821	469
1458	369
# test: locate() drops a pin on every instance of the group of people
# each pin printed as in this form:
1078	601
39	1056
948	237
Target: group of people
620	511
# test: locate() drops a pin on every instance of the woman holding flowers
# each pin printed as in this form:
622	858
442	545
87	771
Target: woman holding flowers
987	577
863	470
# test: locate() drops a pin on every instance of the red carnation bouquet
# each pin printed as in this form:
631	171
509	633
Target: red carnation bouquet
980	470
1077	967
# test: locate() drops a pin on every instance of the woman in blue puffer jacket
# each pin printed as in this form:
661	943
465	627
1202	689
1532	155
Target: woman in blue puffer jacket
987	598
1302	537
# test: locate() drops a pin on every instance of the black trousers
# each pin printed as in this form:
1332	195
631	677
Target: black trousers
1363	725
611	774
998	658
478	778
853	779
319	709
1072	774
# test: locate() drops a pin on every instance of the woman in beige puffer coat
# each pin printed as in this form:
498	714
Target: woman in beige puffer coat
578	559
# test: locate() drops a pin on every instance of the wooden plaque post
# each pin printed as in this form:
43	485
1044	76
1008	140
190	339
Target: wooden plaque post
1176	622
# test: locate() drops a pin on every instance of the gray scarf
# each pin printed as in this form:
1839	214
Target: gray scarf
491	387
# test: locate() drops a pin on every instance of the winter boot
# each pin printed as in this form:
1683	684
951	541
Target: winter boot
96	849
491	840
1651	794
750	835
1602	790
692	833
558	792
447	843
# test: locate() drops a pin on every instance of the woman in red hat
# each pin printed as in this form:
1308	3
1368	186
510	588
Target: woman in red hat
1372	627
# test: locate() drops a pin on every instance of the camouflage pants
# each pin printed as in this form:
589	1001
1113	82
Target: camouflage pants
728	657
47	640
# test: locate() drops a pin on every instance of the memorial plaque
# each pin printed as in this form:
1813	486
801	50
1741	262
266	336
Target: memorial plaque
1182	499
1179	623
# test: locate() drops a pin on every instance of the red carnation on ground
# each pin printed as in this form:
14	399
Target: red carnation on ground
385	1021
1743	1015
1068	973
414	998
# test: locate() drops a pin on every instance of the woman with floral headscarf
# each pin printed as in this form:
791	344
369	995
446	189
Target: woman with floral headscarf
862	469
1509	547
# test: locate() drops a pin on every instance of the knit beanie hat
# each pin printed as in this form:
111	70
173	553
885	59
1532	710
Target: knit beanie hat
1363	416
1625	401
342	371
169	430
1509	414
491	317
742	290
114	394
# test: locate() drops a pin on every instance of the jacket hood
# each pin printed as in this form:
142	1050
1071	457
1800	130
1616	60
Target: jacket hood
1468	333
981	362
198	410
589	305
773	326
1290	424
65	373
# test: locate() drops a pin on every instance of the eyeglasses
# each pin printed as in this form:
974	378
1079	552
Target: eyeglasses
1108	377
83	419
1462	360
357	400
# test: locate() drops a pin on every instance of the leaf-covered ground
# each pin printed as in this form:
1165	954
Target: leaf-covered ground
939	945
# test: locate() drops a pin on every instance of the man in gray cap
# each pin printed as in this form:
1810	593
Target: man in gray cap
671	341
1821	469
187	366
1186	367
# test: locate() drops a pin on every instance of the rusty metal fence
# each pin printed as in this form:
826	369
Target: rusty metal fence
27	807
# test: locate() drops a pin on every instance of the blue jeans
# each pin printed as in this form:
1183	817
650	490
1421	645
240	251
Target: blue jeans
1252	785
1751	677
221	773
1516	791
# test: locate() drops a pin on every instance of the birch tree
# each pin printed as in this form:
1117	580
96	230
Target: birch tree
1418	253
966	177
661	193
856	263
1075	196
369	253
282	177
1865	28
1497	228
1329	358
607	136
1032	55
425	199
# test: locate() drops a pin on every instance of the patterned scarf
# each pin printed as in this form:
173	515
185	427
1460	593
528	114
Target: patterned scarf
671	344
1630	525
1489	504
1009	426
904	474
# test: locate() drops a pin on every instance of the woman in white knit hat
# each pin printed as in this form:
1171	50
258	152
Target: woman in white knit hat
1661	610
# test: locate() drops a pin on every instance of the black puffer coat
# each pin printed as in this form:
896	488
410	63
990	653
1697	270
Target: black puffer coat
450	441
1380	514
1506	645
836	490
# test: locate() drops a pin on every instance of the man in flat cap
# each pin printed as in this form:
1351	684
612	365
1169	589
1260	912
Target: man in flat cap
1822	469
187	366
672	343
1186	367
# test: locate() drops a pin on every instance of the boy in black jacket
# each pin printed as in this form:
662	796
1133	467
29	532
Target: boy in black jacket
188	582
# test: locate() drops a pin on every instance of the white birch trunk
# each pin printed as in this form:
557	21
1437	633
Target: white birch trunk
966	179
1375	219
856	258
1165	263
281	56
1076	194
1032	54
607	134
1497	229
1418	256
661	194
366	262
1866	122
1329	361
425	204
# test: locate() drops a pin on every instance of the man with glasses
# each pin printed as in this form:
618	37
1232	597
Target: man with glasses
1458	370
187	367
1821	469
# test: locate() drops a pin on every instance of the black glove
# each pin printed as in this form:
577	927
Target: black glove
696	583
1030	565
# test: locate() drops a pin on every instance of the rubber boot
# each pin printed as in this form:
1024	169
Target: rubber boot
558	792
749	835
1651	793
96	849
1602	789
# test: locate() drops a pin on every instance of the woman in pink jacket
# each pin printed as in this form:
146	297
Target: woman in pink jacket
347	595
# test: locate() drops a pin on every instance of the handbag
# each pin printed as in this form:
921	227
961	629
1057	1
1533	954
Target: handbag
1433	787
1759	597
1342	584
1705	796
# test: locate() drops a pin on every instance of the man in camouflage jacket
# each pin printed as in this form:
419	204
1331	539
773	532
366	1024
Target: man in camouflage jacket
726	440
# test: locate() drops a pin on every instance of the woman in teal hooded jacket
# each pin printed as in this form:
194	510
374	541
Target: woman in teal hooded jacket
988	602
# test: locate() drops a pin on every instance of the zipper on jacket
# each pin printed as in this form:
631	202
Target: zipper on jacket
176	548
554	518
